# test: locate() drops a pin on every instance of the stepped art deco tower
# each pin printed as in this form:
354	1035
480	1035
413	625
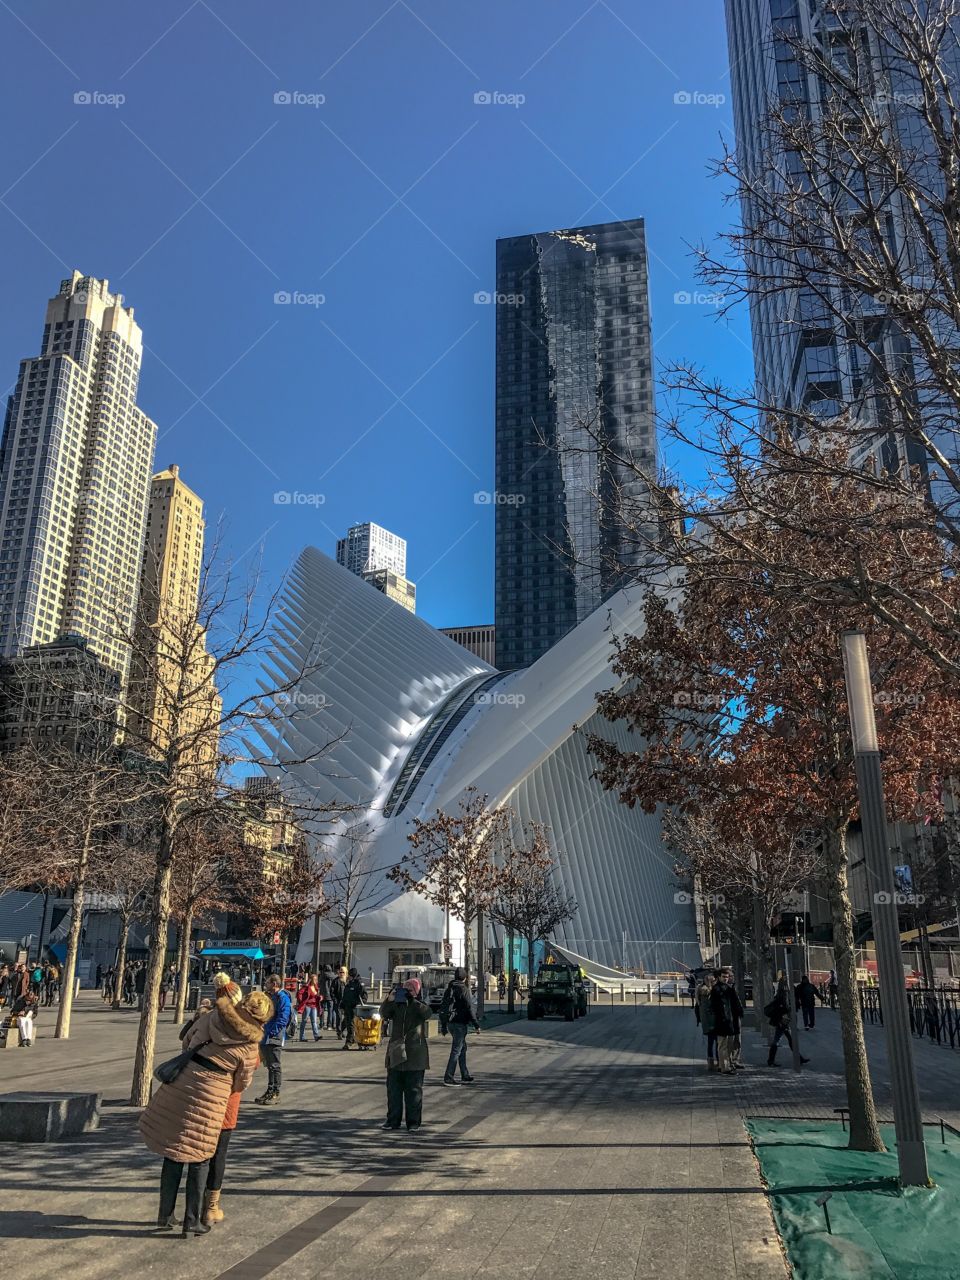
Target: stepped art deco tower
75	465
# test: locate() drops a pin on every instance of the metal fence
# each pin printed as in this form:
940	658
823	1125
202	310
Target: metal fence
934	1012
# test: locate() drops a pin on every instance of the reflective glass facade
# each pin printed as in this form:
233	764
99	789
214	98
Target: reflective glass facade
573	364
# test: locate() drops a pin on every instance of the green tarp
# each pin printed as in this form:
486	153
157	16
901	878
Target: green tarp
879	1232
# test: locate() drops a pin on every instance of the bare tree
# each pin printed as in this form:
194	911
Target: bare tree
527	902
191	716
452	860
354	887
120	879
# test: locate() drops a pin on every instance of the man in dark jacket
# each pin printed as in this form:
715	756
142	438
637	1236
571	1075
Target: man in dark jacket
806	1001
458	1015
354	995
736	1010
271	1047
721	1006
140	984
778	1015
326	1011
408	1055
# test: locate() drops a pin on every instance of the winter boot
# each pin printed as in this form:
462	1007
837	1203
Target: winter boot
272	1098
265	1097
211	1208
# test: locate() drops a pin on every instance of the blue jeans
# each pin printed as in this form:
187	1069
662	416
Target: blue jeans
312	1015
458	1051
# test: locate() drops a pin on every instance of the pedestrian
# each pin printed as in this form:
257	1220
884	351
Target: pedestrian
408	1055
309	1004
326	1005
212	1212
51	983
806	1002
274	1034
704	1015
140	984
164	989
354	995
721	1005
501	985
457	1015
833	988
737	1010
777	1013
184	1119
6	982
98	980
23	1014
36	980
337	984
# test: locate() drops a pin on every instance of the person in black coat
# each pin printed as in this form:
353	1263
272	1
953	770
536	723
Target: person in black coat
778	1015
736	1012
806	1002
354	995
721	1006
326	978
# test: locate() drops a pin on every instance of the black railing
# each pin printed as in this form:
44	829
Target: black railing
934	1012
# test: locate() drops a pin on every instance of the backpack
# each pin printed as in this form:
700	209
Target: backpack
772	1010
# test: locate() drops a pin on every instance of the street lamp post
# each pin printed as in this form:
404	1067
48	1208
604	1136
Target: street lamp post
911	1152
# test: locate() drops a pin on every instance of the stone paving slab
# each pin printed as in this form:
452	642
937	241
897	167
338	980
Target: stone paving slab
601	1148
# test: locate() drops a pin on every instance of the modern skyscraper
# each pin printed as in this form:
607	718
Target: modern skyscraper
816	349
75	465
369	546
574	365
168	636
380	558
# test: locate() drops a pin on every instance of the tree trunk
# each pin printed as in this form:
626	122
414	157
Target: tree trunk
183	966
69	980
481	966
284	950
345	944
864	1130
529	941
763	964
158	923
511	1002
121	967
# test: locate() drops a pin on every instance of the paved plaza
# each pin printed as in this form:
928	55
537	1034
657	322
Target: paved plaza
597	1148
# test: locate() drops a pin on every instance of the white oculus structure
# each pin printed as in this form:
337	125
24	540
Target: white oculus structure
414	720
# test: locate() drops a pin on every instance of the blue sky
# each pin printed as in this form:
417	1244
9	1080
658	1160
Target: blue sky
201	197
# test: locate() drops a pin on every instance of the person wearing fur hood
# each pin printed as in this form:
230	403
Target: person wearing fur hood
184	1119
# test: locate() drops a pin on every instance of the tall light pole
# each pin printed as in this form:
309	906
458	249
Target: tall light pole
911	1152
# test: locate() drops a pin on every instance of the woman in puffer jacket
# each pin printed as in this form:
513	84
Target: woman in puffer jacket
183	1120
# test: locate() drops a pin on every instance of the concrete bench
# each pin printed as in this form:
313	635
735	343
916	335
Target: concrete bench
47	1117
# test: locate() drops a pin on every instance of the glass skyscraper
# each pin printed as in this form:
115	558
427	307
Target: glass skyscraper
816	350
574	379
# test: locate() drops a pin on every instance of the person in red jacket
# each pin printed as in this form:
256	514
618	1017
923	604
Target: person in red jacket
310	1005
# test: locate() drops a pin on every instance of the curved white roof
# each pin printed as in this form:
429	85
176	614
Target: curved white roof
414	720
